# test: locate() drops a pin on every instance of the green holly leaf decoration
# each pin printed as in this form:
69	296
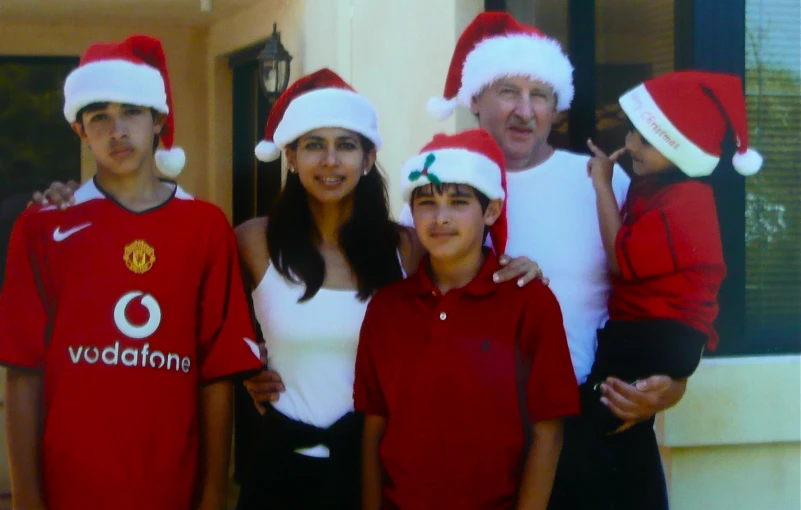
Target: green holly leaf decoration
413	176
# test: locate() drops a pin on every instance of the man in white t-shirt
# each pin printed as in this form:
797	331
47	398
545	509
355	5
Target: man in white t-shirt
516	81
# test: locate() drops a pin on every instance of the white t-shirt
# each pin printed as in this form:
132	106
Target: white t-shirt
553	220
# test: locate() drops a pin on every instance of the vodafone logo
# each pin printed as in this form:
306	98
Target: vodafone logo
125	326
147	319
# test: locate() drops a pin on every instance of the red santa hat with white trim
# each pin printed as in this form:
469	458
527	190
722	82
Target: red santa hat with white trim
471	157
318	100
133	71
685	116
493	46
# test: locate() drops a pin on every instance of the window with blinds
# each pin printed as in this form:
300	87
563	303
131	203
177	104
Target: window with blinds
773	196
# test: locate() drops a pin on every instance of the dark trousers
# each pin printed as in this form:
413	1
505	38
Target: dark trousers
291	481
598	472
274	477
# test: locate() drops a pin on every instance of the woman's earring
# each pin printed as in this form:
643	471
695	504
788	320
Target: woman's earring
366	172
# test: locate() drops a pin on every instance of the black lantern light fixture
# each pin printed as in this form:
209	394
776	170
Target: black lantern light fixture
274	62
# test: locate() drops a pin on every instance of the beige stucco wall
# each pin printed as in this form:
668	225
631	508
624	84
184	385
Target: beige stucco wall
734	441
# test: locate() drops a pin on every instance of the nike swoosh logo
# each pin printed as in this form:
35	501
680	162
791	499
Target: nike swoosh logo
59	236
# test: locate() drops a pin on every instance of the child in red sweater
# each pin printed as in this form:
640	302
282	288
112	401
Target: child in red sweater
664	251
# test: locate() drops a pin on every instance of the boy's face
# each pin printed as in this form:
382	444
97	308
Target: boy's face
120	136
645	158
518	112
449	219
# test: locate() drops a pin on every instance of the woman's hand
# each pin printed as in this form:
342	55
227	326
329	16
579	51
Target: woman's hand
265	387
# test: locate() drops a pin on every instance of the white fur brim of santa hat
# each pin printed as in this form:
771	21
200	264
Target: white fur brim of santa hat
539	58
454	166
322	108
655	127
114	81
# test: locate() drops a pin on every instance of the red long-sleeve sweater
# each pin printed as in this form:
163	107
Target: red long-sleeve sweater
670	255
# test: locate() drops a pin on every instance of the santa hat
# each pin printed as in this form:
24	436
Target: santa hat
134	72
471	157
493	46
685	115
318	100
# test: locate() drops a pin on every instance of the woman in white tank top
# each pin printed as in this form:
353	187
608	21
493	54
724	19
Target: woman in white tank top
328	246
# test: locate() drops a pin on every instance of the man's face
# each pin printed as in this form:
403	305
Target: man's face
120	136
518	112
450	221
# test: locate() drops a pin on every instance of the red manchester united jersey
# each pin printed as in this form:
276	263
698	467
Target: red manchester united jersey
126	315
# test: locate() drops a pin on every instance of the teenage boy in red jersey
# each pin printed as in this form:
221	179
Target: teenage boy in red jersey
122	317
457	374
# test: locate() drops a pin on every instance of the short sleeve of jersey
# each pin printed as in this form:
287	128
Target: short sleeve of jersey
552	390
681	232
367	394
23	315
226	336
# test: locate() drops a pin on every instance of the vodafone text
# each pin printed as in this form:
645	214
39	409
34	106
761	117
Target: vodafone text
143	357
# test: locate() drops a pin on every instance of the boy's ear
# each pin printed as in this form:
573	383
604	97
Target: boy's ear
158	123
493	212
78	128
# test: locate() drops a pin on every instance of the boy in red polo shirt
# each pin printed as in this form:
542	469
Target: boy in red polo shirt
665	252
456	374
123	318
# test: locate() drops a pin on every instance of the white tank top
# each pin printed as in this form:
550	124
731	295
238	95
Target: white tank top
312	346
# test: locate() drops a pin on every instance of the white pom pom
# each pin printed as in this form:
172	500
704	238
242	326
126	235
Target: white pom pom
748	162
170	162
267	151
441	108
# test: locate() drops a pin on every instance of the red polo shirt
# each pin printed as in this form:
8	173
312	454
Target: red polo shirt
441	369
670	254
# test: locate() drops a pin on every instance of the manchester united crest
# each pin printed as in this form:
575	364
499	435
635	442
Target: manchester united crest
139	256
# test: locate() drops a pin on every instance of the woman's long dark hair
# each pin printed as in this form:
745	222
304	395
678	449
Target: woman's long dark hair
369	239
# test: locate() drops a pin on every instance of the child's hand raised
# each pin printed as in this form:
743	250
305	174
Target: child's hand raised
600	167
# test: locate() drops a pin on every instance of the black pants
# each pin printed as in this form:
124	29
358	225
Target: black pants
621	472
274	477
291	481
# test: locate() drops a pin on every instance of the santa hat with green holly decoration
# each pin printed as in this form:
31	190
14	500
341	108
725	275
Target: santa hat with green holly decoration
493	46
471	157
134	72
318	100
685	115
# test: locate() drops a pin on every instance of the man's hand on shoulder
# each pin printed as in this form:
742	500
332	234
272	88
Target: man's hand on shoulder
58	194
522	268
